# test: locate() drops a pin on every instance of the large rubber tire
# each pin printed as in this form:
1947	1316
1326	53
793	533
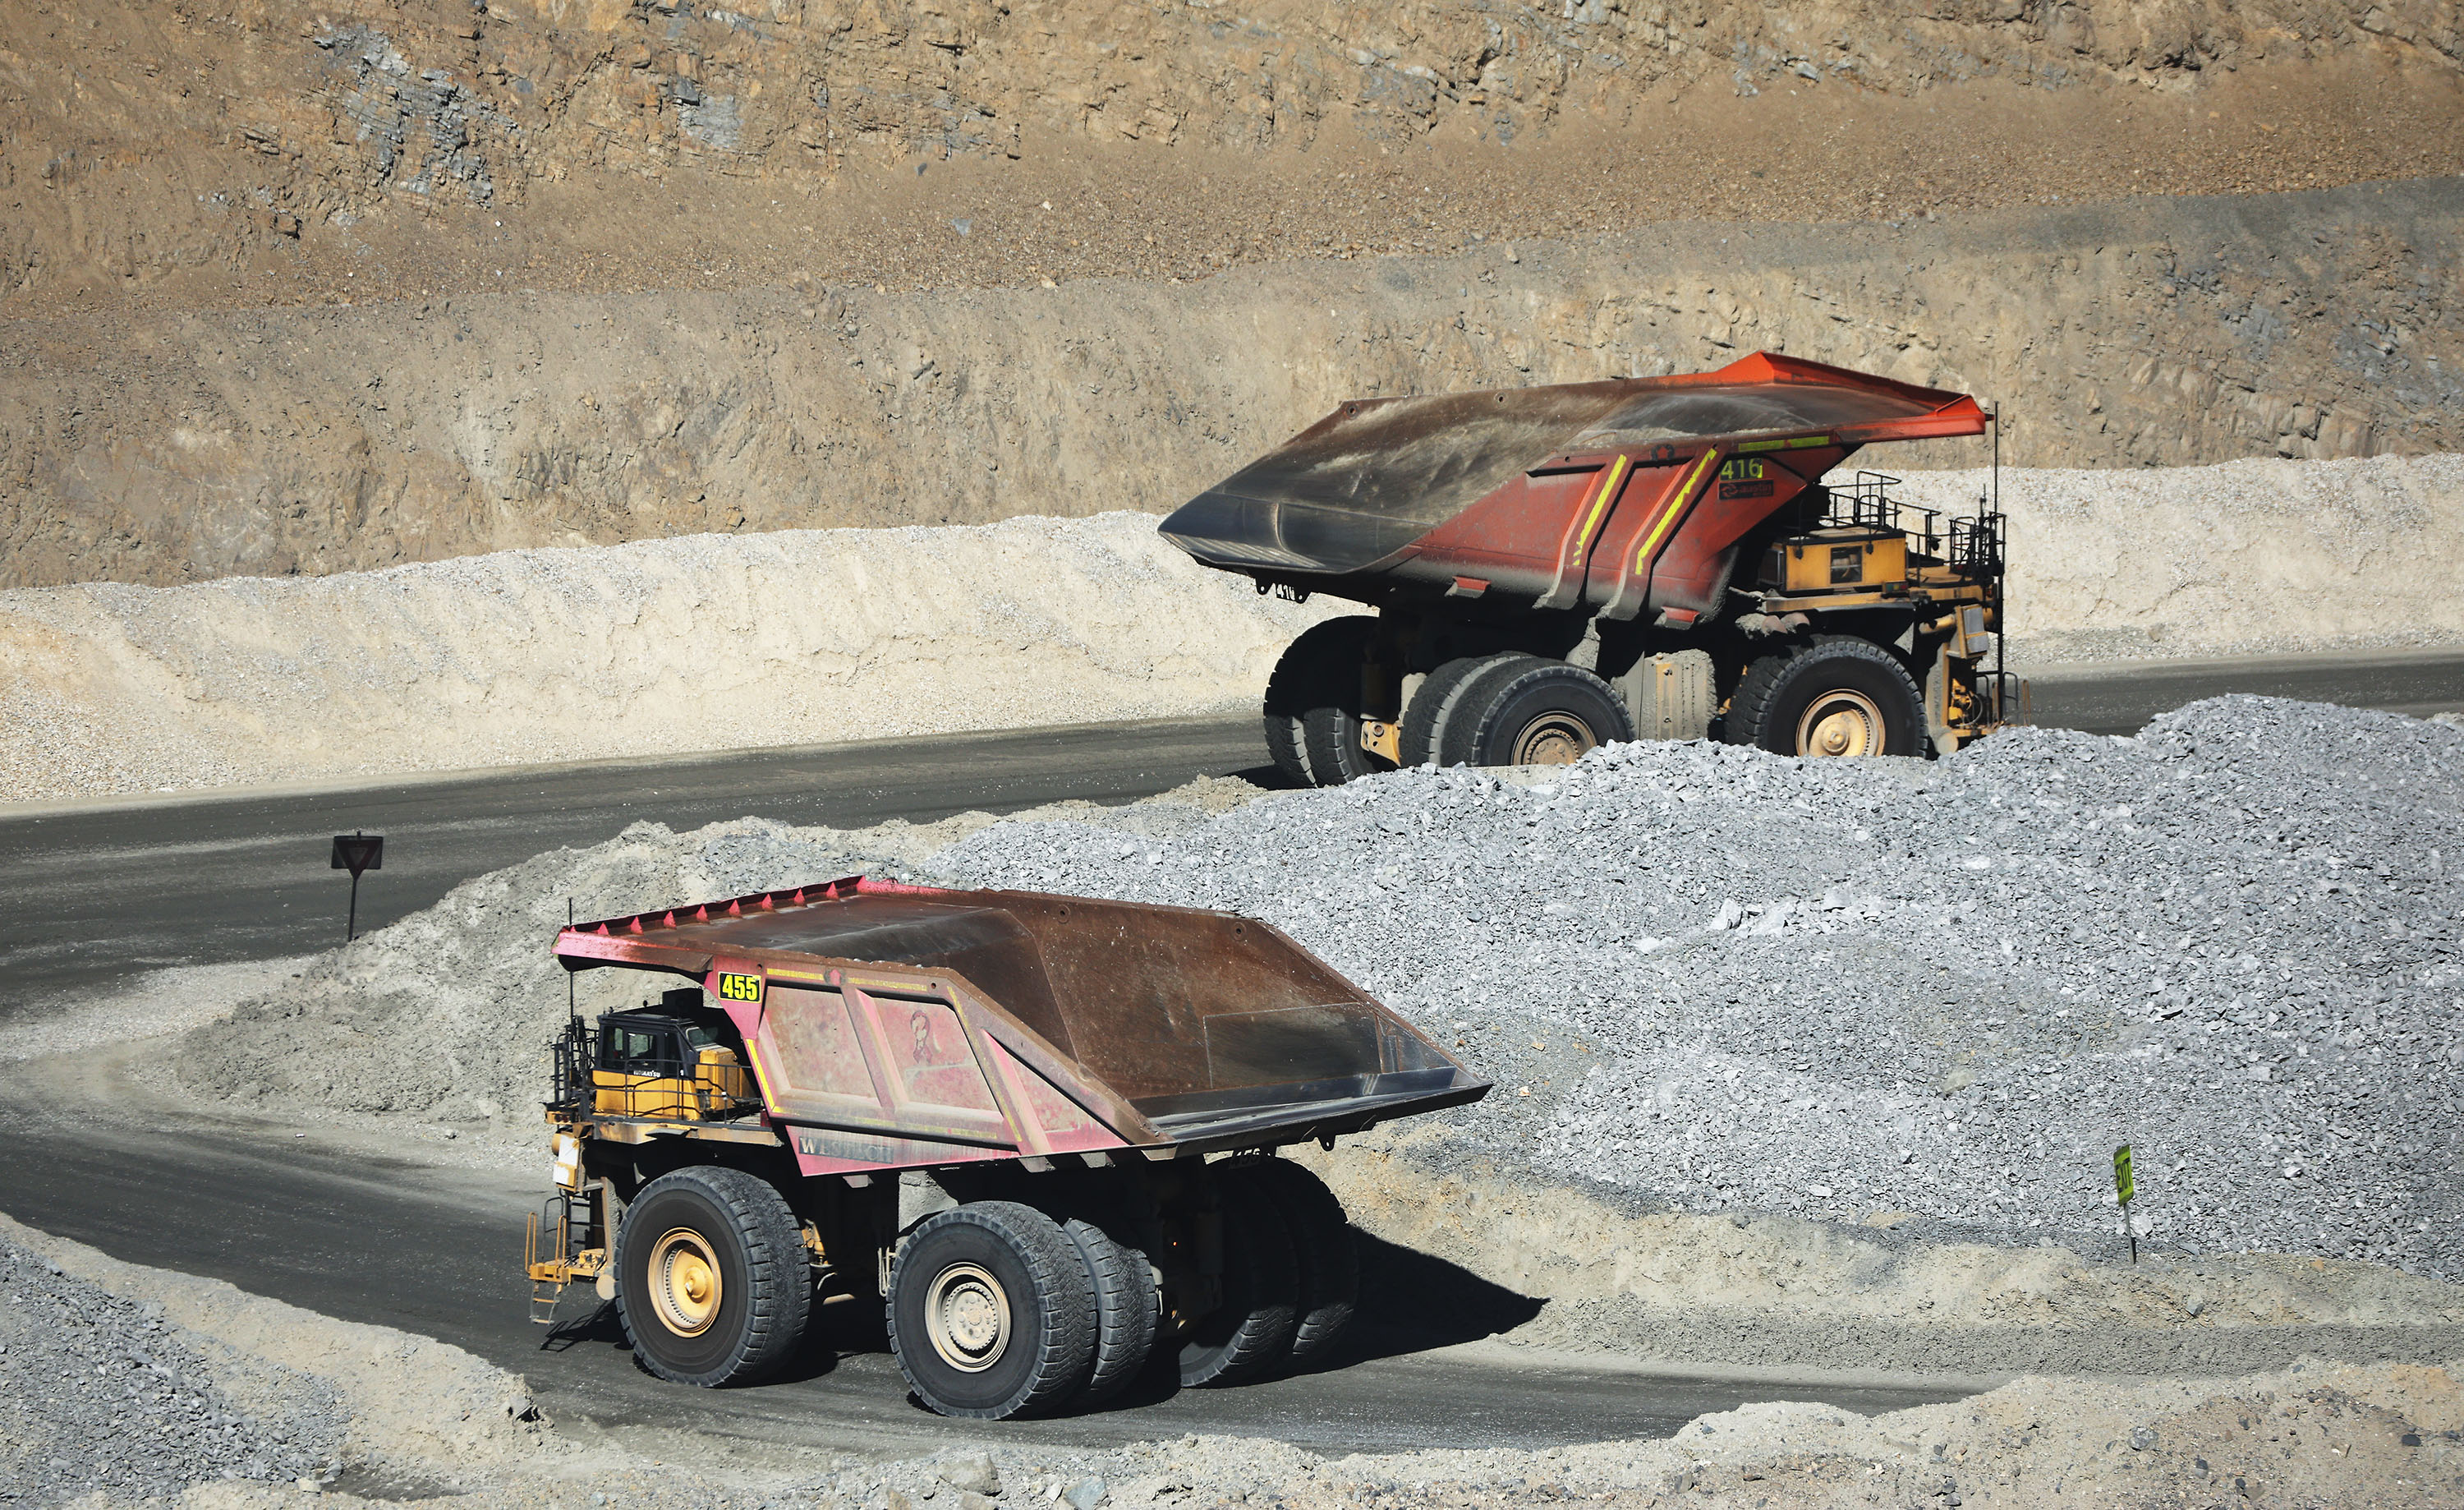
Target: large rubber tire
1322	1243
731	1290
1251	1332
1833	696
1335	752
1439	698
1533	712
1321	669
1015	1329
1126	1310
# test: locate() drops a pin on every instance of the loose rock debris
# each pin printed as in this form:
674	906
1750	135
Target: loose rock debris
1725	979
105	1397
1843	989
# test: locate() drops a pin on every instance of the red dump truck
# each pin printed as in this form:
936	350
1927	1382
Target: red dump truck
1041	1128
1556	567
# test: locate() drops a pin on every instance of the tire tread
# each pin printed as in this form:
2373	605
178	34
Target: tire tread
774	1270
1329	1262
1066	1344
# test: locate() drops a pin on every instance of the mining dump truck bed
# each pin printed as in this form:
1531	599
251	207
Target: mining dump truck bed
892	1026
1574	492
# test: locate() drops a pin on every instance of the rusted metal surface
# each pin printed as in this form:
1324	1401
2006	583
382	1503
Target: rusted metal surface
1623	497
896	1027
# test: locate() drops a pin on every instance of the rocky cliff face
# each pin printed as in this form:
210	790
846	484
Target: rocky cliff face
288	289
474	101
173	447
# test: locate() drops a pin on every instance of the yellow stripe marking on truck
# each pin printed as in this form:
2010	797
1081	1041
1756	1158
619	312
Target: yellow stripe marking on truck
1600	505
1703	467
1799	443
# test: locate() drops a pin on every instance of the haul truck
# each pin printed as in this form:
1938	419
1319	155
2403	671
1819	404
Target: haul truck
1556	567
1042	1129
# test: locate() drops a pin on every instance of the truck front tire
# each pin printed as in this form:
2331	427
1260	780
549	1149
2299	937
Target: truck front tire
712	1282
1837	696
991	1312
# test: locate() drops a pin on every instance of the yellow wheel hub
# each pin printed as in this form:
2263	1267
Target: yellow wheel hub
1554	739
1842	722
966	1316
685	1285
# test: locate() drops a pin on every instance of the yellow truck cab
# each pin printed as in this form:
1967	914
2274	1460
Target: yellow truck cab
668	1066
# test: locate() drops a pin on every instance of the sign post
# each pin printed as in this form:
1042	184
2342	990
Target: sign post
2126	1187
355	853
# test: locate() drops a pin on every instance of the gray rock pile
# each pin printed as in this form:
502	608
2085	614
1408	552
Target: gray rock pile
1933	996
1723	978
106	1398
446	1016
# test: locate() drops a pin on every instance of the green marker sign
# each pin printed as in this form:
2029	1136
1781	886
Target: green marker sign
2124	1184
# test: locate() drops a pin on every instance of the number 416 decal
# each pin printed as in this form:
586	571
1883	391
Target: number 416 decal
740	987
1744	469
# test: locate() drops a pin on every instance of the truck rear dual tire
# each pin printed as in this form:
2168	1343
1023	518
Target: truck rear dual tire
712	1281
1291	1277
1252	1331
1312	707
992	1314
1321	1244
1833	696
1511	709
1126	1313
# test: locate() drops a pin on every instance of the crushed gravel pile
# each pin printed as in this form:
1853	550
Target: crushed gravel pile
106	1397
1841	989
1714	978
446	1016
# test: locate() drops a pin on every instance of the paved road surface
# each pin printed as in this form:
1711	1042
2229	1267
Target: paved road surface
95	892
437	1253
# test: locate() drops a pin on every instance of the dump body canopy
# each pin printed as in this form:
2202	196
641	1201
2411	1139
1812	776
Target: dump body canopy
1367	481
1159	1021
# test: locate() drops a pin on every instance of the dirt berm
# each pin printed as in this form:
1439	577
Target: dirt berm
808	637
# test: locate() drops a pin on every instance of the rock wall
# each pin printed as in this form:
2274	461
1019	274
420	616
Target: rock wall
474	101
158	447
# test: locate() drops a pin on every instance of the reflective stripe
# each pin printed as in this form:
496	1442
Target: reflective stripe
1600	504
1704	467
1800	443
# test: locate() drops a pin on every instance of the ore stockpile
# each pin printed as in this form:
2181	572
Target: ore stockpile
1722	979
105	1397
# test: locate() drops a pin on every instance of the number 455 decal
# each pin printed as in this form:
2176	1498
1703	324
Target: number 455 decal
740	987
